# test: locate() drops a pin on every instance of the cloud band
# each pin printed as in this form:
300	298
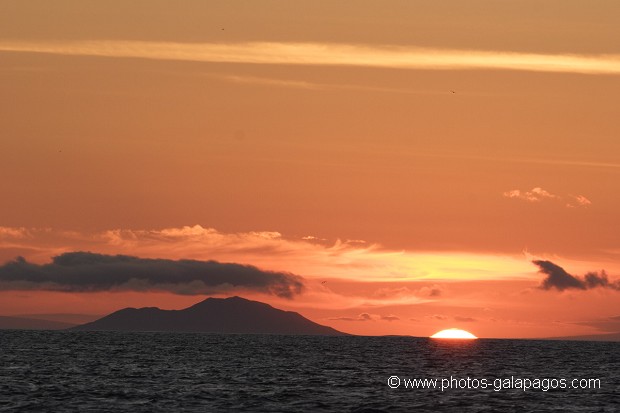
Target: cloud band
90	272
326	54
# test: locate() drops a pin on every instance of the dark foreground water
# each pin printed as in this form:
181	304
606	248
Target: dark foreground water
169	372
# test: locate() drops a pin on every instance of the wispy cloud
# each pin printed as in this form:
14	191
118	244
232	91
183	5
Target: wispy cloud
521	160
13	232
318	86
535	195
254	80
361	317
310	258
401	57
432	291
578	200
539	195
368	317
464	319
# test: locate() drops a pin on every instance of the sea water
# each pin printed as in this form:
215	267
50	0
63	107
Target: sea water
192	372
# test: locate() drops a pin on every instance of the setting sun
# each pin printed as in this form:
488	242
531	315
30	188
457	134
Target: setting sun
454	333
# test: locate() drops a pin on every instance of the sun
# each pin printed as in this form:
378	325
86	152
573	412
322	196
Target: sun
454	333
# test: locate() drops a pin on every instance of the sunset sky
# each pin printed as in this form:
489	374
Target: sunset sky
389	167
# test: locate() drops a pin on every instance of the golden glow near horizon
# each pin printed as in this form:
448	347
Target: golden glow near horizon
454	333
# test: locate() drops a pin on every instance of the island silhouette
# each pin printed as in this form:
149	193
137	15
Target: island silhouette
234	315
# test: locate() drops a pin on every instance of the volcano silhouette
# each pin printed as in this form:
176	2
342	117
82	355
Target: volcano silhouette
234	315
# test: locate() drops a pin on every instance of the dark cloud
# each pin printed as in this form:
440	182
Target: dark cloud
390	317
90	272
560	279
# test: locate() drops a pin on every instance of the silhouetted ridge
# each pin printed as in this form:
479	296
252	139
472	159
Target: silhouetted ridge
234	315
23	323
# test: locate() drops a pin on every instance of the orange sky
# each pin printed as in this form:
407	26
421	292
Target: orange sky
416	155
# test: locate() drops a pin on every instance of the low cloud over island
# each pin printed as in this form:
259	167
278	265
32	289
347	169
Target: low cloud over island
91	272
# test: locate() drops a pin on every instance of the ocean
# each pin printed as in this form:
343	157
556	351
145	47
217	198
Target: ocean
58	371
